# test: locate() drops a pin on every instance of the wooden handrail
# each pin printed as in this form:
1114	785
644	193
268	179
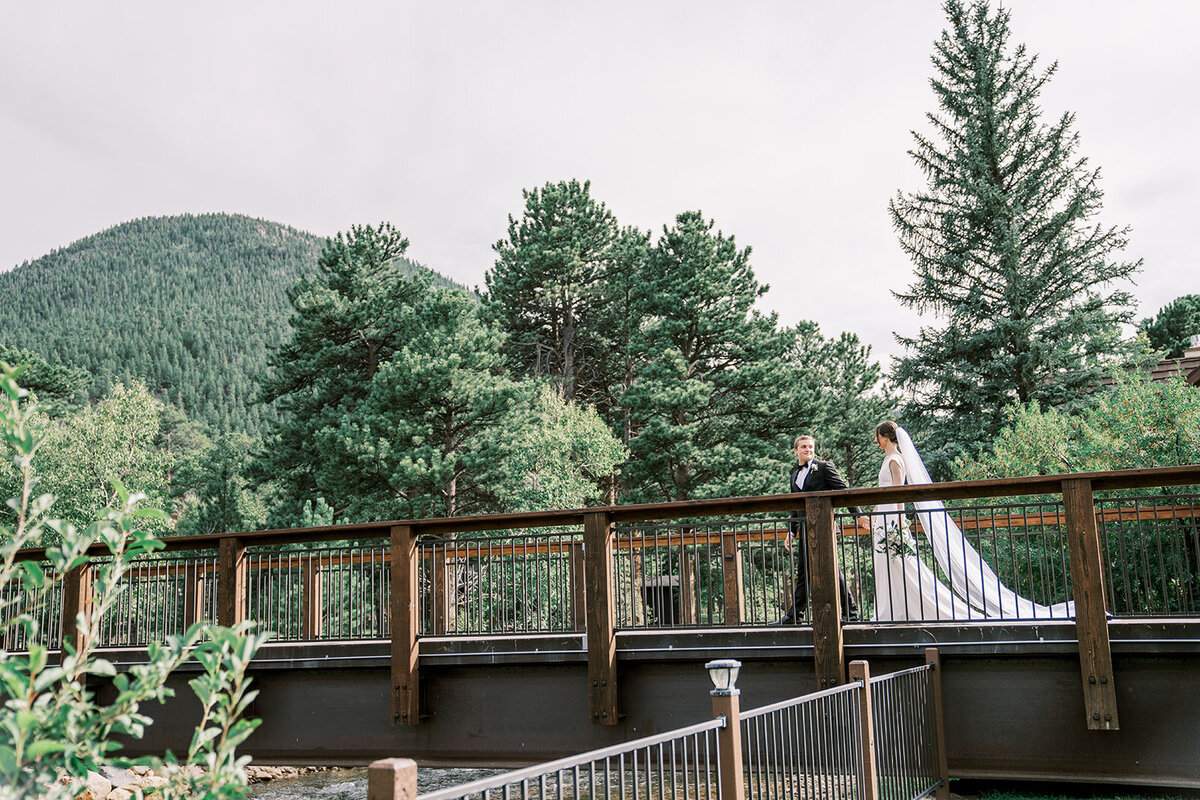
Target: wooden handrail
956	490
709	538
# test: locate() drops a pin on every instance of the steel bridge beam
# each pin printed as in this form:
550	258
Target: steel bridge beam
1012	703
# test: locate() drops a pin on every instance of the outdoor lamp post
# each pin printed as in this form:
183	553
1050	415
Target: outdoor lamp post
724	674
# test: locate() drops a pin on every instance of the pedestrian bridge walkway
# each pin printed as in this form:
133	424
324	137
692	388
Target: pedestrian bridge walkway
521	637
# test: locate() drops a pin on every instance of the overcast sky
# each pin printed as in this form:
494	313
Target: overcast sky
786	122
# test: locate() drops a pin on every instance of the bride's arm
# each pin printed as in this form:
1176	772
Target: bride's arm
897	472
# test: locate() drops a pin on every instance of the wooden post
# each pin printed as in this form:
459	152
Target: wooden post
861	671
194	580
933	657
231	582
405	654
687	588
578	581
735	597
76	601
392	779
601	622
1091	623
312	597
729	745
826	600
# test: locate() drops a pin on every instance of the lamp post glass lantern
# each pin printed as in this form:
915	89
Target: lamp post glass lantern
724	674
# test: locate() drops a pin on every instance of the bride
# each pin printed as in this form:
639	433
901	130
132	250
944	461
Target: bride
905	587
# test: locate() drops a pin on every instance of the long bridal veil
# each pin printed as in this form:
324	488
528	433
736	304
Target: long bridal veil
970	576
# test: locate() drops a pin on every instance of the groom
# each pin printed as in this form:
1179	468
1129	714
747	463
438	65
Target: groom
811	475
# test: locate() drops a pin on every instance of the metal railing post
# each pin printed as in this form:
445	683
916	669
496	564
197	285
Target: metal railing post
601	621
861	671
828	654
934	659
1091	623
405	652
725	703
392	779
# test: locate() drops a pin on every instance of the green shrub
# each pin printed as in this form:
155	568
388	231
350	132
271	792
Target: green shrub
52	730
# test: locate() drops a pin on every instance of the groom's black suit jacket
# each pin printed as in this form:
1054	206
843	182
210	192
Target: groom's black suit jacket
822	477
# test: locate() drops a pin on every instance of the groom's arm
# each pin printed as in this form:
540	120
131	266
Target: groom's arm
793	518
835	481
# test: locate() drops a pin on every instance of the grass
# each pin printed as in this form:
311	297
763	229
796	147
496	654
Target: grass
1010	790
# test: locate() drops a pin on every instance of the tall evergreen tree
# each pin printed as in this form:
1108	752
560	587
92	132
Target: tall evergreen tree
397	402
713	371
432	435
1028	286
347	320
547	287
618	364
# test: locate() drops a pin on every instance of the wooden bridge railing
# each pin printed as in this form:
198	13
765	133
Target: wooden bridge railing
593	563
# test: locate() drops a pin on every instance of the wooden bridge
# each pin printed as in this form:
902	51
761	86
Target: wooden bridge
522	637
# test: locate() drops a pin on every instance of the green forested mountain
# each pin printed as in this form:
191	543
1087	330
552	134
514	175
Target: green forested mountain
190	305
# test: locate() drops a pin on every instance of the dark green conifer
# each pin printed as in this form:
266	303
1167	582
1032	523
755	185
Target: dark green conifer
1028	289
706	402
1171	330
547	288
393	399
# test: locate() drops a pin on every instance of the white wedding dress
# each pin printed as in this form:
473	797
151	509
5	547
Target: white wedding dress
907	589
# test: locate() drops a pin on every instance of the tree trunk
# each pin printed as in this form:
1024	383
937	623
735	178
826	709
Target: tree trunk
568	360
452	484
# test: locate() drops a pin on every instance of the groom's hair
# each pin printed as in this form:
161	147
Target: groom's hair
802	437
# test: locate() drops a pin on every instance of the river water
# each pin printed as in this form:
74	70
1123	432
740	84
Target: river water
351	784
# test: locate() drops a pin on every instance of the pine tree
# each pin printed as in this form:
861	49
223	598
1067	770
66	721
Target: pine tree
218	496
712	376
1172	328
394	396
616	366
433	432
547	287
348	320
1027	285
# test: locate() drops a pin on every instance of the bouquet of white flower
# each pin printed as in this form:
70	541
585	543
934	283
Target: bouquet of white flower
896	539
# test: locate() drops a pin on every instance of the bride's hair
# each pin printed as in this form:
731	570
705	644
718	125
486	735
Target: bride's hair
887	430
